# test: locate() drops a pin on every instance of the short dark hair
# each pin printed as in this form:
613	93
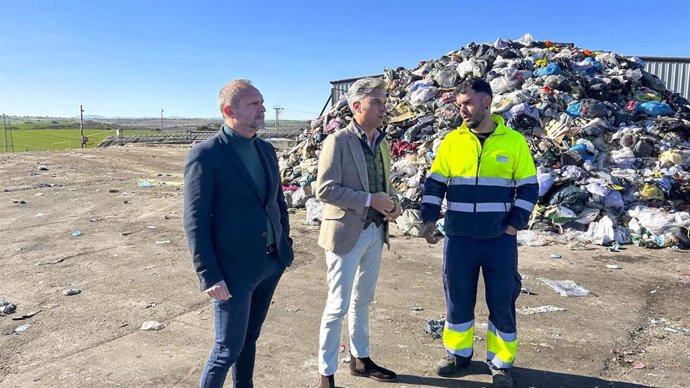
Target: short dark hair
476	84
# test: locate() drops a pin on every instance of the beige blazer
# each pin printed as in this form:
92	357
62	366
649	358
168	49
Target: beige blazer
343	186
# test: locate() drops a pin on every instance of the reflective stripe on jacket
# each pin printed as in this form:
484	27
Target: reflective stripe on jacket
486	187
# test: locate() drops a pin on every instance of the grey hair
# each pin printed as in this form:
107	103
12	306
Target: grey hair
362	87
231	91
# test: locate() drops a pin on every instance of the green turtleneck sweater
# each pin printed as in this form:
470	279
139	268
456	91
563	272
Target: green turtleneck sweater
249	155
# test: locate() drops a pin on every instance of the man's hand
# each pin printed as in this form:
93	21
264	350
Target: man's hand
219	291
382	203
511	231
397	211
429	231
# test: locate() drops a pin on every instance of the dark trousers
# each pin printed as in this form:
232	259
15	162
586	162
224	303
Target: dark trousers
237	327
497	258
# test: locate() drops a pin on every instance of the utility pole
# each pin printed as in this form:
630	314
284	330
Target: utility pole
4	131
81	125
279	110
161	119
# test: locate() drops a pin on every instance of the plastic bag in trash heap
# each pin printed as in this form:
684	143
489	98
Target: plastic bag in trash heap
566	287
314	211
410	223
658	222
601	232
545	180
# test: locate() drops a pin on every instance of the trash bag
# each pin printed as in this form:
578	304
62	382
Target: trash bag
561	215
550	69
314	212
600	232
658	222
410	223
655	108
446	77
545	183
572	197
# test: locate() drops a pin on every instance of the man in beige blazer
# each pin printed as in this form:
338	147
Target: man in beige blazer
354	183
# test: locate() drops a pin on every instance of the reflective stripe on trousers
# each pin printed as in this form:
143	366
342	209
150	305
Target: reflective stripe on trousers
462	260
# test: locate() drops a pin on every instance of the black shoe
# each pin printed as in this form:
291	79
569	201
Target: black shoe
501	378
365	367
326	382
451	365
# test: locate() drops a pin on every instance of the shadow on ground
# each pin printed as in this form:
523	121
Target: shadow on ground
524	378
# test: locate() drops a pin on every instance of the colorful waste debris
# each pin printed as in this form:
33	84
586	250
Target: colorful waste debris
611	143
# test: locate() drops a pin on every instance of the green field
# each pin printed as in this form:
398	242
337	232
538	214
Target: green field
56	133
20	140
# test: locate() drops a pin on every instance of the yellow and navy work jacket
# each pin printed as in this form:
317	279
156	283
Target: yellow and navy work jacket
486	187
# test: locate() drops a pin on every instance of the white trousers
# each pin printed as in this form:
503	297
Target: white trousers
358	271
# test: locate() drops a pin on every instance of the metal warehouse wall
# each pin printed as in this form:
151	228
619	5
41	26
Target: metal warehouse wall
340	87
675	72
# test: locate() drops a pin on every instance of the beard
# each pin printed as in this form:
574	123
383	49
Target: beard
258	124
473	123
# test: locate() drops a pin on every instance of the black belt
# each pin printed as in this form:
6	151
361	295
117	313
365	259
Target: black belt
378	221
270	248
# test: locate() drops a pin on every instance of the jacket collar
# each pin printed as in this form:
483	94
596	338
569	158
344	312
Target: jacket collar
501	128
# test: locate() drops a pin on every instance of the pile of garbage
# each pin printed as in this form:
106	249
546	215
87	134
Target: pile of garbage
611	143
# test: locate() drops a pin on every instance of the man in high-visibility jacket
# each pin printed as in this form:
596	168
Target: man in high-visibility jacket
486	173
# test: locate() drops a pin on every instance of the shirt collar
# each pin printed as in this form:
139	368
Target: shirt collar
360	133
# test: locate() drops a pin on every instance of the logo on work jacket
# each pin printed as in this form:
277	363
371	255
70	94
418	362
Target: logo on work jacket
502	159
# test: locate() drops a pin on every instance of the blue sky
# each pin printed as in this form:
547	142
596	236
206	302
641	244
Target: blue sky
133	58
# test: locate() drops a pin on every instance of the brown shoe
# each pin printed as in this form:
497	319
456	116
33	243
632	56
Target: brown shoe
365	367
326	382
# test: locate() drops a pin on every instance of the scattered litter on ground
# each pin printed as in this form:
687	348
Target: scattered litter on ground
71	291
26	316
566	287
666	326
145	183
527	291
639	365
76	233
22	328
539	310
435	328
152	326
7	307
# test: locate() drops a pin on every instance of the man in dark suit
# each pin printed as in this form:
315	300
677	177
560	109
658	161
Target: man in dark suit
236	223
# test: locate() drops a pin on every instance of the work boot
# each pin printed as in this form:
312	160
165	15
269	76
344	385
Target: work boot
451	365
501	378
327	382
365	367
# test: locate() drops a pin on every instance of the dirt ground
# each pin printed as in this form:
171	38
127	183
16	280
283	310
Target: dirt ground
132	265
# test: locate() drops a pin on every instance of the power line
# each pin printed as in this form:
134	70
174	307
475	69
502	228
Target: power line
299	111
